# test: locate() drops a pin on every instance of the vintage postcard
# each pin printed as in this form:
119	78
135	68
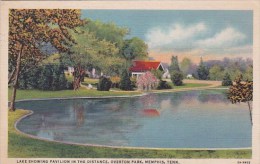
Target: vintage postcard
144	82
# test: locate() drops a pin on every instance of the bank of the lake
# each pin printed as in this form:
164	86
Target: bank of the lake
84	92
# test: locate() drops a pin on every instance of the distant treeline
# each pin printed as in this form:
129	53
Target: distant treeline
218	68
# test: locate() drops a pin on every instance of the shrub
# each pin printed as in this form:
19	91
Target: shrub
176	77
226	80
45	77
133	82
115	81
147	81
163	85
157	73
125	82
104	84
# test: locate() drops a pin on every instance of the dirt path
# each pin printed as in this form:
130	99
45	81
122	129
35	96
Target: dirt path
212	84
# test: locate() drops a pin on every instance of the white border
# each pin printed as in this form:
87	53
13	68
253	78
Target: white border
144	5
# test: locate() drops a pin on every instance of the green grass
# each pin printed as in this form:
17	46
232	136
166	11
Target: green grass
21	146
90	81
223	87
82	92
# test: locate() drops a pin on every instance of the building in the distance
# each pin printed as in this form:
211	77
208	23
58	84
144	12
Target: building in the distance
139	67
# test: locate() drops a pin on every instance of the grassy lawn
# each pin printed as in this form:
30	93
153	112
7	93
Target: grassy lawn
21	146
82	92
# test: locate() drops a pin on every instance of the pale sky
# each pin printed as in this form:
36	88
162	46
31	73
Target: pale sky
187	33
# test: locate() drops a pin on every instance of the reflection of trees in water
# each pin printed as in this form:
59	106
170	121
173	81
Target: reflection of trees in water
79	114
107	120
150	101
176	99
212	98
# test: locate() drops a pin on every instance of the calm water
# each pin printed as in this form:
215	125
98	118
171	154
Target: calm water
194	119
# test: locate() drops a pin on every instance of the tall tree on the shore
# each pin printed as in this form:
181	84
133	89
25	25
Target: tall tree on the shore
29	29
134	48
174	64
242	92
203	71
176	73
89	52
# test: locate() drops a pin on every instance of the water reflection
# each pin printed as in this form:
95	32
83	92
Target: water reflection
184	119
79	114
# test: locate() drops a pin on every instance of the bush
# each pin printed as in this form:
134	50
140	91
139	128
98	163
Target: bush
176	77
226	80
164	85
104	84
45	77
147	82
125	82
115	81
133	82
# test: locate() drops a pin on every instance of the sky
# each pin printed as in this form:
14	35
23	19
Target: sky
212	34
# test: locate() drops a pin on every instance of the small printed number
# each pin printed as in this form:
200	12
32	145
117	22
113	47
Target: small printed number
243	162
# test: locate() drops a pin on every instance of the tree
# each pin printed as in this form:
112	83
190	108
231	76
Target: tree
108	31
147	81
226	80
186	66
176	74
134	48
157	73
242	92
29	29
89	52
202	71
248	75
215	73
174	64
125	82
104	84
176	77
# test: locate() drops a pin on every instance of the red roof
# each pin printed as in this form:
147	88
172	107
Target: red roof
142	66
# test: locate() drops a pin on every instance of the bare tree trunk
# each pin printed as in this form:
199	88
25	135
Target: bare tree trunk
16	76
78	75
11	76
250	112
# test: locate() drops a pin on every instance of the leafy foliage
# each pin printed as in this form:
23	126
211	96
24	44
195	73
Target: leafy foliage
174	64
104	84
115	81
108	31
163	85
45	77
29	30
203	71
177	77
157	73
242	92
134	48
187	66
125	82
147	81
216	73
226	80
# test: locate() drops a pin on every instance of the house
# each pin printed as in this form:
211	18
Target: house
189	76
139	67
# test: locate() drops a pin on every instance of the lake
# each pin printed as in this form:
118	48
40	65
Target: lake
190	119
